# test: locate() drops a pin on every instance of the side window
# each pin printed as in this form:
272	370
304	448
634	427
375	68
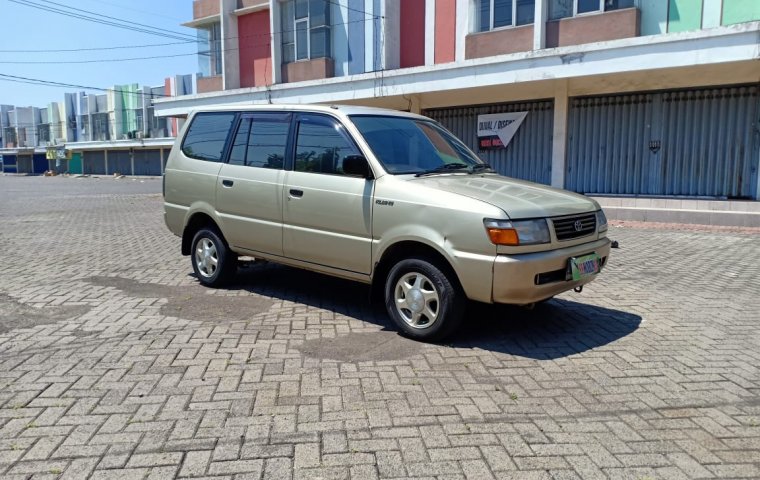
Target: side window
207	135
322	145
261	140
240	144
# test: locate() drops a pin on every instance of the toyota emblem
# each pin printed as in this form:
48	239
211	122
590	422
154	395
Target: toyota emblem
578	225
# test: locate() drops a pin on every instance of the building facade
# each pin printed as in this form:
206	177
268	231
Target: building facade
102	134
614	97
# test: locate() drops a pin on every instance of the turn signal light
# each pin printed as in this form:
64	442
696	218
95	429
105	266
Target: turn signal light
520	232
501	236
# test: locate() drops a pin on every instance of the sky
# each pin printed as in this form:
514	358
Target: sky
26	28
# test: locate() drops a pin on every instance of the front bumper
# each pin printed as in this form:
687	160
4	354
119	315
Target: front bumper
532	277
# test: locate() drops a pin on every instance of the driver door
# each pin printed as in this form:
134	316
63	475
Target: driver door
327	215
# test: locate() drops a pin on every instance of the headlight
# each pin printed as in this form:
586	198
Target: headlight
601	221
523	232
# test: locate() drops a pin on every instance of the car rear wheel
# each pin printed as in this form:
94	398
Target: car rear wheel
213	262
423	301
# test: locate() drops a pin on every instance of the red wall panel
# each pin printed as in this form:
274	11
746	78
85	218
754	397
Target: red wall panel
445	30
171	124
255	50
412	33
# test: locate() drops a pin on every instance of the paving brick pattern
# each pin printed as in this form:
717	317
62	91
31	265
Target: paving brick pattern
114	363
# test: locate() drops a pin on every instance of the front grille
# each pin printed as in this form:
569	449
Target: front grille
565	227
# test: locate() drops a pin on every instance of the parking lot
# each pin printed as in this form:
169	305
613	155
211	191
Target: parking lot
115	363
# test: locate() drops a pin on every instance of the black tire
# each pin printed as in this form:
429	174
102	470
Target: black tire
447	310
209	274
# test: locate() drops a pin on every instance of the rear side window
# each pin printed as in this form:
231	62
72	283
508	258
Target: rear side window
207	135
261	140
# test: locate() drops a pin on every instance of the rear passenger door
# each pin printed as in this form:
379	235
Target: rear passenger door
327	215
249	187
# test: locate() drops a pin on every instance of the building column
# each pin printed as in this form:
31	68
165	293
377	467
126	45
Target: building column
275	26
370	49
415	106
539	24
147	96
230	45
105	161
391	25
559	139
462	29
161	158
429	32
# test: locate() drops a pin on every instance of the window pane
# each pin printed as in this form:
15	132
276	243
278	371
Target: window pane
560	9
269	135
526	11
240	144
502	13
484	16
618	4
289	53
319	13
204	55
206	137
321	146
288	35
302	8
302	47
320	42
216	49
585	6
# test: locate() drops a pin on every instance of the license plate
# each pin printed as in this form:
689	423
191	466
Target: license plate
585	266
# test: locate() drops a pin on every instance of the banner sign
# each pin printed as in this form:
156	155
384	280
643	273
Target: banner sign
57	153
496	130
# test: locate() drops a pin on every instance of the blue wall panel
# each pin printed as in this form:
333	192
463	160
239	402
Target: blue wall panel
699	143
40	163
9	164
377	36
147	162
339	39
528	156
356	21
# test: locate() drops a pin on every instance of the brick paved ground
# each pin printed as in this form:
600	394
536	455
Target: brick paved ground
115	364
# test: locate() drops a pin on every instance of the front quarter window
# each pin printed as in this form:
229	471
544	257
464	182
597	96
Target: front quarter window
322	145
408	145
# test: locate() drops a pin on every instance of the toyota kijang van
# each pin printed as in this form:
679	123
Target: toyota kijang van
386	198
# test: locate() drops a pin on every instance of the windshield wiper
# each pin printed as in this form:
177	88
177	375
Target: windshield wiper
481	167
446	167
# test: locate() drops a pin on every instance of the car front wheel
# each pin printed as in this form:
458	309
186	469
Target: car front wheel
422	300
213	262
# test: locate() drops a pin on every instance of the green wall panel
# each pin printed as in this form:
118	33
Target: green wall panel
75	164
738	11
684	15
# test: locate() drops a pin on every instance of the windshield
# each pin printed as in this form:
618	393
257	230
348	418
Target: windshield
408	145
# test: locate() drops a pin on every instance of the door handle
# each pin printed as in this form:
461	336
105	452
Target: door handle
227	183
296	193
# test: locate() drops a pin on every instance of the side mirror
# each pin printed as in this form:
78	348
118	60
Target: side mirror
357	165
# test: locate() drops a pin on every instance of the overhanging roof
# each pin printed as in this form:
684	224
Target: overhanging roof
736	43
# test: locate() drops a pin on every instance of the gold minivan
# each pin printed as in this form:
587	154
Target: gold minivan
387	198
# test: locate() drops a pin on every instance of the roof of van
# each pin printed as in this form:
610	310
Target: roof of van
344	109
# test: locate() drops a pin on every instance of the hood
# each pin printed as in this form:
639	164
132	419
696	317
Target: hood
518	198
